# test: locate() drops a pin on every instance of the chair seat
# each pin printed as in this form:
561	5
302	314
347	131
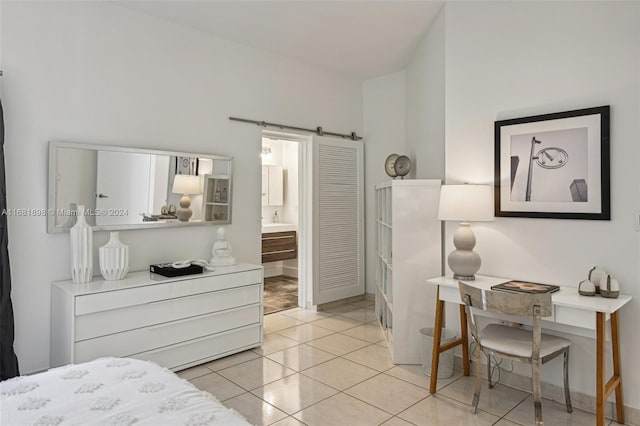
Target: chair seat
517	342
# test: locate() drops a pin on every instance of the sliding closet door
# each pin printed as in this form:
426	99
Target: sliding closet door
338	219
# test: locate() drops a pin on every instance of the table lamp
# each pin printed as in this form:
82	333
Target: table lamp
465	203
185	185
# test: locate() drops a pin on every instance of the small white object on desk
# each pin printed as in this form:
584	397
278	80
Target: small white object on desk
609	287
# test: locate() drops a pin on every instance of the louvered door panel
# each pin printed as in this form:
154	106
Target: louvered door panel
338	220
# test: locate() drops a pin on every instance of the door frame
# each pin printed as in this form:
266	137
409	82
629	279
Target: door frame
305	211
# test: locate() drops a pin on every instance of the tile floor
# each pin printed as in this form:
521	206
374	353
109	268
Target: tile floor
333	368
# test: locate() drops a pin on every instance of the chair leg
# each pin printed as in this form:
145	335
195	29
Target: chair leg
476	392
567	396
537	391
489	369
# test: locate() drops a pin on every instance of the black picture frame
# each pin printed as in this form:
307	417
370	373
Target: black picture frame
554	165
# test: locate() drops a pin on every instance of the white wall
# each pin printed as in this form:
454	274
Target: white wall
290	167
513	59
99	73
426	102
384	134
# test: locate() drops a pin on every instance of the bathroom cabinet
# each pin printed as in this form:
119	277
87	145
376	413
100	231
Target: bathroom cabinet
279	246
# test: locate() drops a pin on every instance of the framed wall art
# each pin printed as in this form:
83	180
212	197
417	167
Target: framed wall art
553	165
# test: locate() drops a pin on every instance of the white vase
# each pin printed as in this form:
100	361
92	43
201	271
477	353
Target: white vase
81	236
114	258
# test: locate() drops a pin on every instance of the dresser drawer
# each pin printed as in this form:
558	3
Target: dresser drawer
116	320
150	338
104	301
205	349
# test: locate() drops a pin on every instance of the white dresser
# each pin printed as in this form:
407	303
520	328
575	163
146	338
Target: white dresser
176	322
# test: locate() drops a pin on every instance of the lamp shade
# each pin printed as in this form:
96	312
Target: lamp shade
186	184
466	203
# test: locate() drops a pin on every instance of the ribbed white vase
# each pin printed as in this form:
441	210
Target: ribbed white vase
114	258
81	236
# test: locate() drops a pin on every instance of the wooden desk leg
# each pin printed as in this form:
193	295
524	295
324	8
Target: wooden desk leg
465	340
437	334
600	371
615	346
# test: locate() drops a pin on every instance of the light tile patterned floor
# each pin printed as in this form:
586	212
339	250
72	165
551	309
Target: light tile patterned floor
333	368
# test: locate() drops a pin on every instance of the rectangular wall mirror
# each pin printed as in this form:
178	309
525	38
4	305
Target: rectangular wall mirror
129	188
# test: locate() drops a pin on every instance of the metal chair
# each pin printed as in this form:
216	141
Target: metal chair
511	343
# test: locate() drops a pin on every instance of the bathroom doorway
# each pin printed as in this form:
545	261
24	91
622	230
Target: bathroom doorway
323	203
281	221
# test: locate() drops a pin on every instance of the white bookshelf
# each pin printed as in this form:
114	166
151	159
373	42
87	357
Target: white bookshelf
409	237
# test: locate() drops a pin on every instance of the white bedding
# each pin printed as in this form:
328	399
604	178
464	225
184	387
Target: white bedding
110	391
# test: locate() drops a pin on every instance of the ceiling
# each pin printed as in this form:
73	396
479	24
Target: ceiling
361	39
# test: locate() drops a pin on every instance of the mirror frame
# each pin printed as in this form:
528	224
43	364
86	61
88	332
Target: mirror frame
51	196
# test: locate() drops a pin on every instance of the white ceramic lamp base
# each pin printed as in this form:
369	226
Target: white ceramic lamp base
464	262
184	213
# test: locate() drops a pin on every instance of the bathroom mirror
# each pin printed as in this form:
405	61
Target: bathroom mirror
130	188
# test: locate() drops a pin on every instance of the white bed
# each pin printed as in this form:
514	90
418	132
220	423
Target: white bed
110	391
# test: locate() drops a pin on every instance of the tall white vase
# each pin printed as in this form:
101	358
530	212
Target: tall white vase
114	258
81	236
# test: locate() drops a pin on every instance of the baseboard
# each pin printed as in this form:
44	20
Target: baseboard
325	306
290	271
579	400
272	270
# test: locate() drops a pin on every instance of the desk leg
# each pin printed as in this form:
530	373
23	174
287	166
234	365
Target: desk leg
437	334
615	346
464	332
604	388
600	371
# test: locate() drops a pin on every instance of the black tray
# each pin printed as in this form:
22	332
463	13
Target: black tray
166	270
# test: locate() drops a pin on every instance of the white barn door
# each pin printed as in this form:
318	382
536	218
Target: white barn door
338	219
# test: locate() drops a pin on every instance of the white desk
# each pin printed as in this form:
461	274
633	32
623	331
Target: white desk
569	308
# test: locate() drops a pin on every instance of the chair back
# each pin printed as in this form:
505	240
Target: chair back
472	298
521	304
534	306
